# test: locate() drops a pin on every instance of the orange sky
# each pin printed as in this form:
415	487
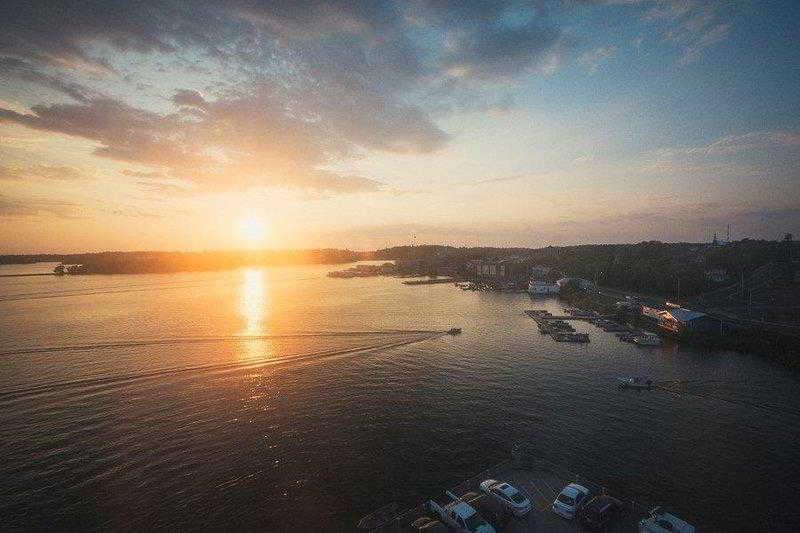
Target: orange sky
369	126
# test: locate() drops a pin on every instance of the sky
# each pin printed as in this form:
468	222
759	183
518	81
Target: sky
169	125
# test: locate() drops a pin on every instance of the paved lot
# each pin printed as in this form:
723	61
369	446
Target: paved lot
540	486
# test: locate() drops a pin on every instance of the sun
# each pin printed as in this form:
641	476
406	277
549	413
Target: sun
253	230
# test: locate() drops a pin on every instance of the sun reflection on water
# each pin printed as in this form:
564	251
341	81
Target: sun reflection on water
253	309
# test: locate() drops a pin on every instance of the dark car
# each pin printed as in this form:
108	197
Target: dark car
600	511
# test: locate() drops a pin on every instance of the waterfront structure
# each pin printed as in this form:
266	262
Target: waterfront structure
579	283
497	270
652	310
540	288
681	321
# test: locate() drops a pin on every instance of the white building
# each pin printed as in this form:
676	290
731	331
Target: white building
579	283
539	288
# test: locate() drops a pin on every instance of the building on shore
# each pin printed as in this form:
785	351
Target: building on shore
577	283
498	270
542	288
682	321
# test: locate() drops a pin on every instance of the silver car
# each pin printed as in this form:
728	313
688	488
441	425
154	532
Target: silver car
507	496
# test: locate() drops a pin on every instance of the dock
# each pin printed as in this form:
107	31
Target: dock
428	281
538	481
557	326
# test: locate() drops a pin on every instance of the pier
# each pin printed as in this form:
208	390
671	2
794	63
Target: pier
428	281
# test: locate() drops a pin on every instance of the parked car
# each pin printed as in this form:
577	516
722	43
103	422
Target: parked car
507	496
571	498
600	511
660	521
458	515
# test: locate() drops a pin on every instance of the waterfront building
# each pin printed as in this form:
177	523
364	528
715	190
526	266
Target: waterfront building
497	270
579	283
538	288
681	321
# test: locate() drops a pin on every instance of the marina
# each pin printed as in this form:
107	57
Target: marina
558	327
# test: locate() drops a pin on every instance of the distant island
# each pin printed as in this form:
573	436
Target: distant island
166	262
652	267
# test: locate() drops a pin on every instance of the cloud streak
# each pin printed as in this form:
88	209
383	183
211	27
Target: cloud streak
41	172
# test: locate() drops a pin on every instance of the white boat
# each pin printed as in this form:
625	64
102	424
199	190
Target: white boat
647	339
635	383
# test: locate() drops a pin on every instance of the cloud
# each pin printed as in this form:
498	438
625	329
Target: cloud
25	207
499	53
301	84
61	32
691	25
757	140
189	98
12	67
592	59
247	141
670	221
41	172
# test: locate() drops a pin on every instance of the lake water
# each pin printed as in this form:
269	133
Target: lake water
131	402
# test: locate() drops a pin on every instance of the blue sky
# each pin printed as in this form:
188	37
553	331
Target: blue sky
352	124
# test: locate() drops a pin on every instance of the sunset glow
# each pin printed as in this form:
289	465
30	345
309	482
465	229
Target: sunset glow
253	231
399	265
359	127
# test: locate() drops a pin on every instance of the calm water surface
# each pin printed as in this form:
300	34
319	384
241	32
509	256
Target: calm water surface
278	399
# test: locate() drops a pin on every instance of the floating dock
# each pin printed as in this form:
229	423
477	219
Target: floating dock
428	281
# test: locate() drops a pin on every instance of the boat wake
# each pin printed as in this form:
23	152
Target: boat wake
207	340
7	396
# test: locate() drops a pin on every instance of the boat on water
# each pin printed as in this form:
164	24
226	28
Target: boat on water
647	339
635	383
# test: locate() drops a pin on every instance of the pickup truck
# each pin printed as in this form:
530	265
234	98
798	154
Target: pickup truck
458	514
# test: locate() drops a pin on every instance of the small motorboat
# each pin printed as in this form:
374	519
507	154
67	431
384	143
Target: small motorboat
635	383
647	339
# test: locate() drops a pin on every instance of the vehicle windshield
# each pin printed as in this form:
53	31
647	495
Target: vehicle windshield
475	521
563	498
517	497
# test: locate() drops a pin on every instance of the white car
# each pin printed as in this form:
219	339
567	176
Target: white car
570	500
507	496
661	521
